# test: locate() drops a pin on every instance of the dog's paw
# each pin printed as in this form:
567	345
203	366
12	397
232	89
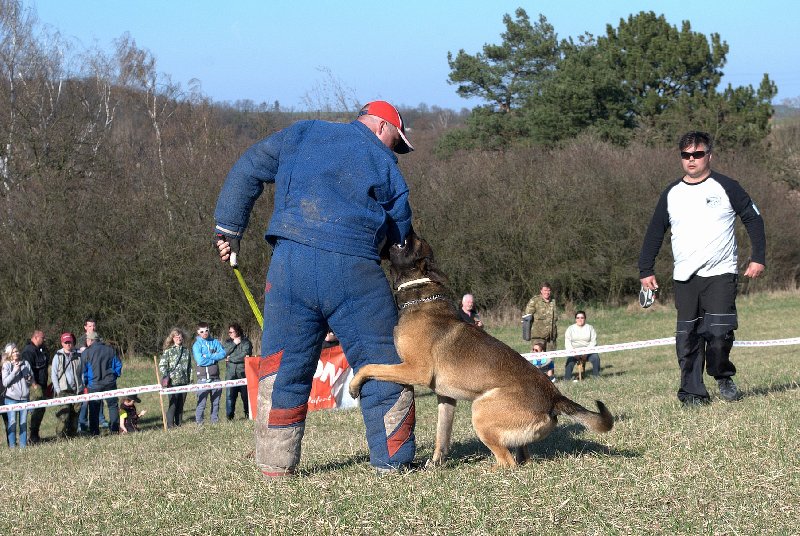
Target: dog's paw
431	464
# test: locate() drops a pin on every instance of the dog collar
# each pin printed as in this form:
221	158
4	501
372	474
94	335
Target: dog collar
423	300
412	283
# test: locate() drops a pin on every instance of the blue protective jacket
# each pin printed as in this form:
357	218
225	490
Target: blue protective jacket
337	188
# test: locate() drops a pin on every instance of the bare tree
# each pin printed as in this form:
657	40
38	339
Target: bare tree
137	69
330	95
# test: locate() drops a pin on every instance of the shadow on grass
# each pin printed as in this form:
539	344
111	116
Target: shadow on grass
344	463
563	441
763	391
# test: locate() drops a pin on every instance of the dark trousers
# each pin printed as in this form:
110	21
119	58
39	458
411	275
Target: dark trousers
94	414
175	409
594	359
36	415
230	400
704	332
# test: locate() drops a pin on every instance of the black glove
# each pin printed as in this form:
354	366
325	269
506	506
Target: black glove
234	243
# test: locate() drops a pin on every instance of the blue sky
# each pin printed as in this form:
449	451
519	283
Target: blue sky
272	50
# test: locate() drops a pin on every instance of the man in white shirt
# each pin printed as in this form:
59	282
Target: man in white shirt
581	335
701	208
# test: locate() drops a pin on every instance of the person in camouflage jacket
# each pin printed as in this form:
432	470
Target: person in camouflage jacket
544	328
176	363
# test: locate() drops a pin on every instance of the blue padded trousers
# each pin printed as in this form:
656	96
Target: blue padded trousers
307	291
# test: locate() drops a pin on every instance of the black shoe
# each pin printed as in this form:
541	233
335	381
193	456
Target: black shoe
728	390
695	401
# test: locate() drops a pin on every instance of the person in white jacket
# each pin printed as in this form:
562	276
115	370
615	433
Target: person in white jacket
581	335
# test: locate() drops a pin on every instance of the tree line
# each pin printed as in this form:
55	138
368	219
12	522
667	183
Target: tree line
643	80
109	173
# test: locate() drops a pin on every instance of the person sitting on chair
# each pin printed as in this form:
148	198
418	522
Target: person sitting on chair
581	335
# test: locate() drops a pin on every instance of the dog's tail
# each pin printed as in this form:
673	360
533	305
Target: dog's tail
601	421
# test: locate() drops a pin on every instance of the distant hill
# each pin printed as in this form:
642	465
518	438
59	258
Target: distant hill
783	111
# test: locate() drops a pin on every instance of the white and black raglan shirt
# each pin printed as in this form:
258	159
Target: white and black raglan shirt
702	218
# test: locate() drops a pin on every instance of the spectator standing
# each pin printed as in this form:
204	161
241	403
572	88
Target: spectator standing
544	323
237	347
89	326
176	364
340	200
581	335
37	357
468	312
66	374
701	209
101	368
207	352
17	379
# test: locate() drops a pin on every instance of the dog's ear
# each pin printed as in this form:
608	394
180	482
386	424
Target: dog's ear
427	265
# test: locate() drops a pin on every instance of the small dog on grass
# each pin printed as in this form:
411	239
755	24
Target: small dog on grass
513	403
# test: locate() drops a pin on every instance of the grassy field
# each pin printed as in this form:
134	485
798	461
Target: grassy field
729	468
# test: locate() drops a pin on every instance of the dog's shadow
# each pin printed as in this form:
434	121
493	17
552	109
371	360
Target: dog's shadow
564	441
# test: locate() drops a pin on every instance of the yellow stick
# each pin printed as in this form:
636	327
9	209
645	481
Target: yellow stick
249	297
160	396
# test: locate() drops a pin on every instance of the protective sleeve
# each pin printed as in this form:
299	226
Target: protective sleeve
398	211
245	183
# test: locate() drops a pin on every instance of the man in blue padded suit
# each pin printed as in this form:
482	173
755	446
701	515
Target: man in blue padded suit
340	199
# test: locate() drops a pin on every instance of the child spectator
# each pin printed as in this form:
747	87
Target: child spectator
128	416
545	364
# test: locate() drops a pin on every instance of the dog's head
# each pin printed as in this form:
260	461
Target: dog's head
413	260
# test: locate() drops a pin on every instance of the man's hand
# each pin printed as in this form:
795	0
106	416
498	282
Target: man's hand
224	249
754	270
649	282
228	249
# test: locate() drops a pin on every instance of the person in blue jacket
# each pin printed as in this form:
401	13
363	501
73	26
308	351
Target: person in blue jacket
101	369
340	200
207	351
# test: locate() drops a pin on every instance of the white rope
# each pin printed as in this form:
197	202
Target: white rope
236	383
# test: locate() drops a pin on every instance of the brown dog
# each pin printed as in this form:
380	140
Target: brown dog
513	402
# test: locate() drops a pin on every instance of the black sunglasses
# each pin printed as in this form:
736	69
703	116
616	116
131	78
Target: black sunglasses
697	155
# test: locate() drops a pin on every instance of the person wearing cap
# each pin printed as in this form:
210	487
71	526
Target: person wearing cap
67	379
101	368
128	415
340	201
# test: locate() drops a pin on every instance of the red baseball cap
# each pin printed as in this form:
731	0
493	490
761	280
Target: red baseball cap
67	337
389	113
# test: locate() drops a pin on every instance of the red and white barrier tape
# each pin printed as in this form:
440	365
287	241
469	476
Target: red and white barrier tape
75	399
667	341
236	383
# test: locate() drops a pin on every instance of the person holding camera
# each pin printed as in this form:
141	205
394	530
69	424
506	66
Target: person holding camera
17	379
175	367
237	347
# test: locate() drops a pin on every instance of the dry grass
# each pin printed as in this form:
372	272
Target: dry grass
722	469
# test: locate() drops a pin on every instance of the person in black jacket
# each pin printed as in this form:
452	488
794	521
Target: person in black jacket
101	369
35	354
237	347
